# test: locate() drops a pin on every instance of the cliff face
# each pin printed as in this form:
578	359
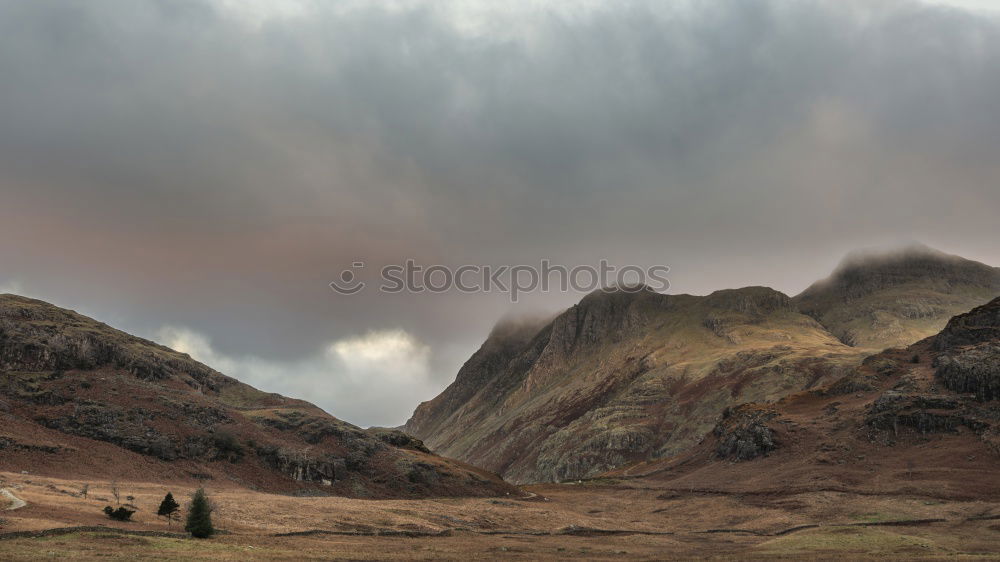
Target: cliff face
77	396
622	377
970	361
511	348
895	299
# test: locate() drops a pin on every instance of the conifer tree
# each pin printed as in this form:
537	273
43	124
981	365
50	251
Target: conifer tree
199	517
168	508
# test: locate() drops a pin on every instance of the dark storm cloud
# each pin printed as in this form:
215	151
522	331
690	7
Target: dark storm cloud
212	166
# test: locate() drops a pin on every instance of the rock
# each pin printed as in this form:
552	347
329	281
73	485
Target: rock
980	325
744	434
974	370
925	413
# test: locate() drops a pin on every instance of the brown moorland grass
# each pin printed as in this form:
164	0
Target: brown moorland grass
596	520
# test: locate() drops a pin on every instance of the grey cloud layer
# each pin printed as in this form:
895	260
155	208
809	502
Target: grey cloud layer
168	163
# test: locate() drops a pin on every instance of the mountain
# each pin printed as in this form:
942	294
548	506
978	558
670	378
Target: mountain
79	398
626	376
892	299
925	419
623	376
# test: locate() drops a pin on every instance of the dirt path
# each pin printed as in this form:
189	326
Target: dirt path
15	502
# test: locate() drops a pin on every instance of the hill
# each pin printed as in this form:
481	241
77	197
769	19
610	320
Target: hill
79	398
892	299
920	420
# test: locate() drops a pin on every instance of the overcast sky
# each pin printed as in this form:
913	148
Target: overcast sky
198	171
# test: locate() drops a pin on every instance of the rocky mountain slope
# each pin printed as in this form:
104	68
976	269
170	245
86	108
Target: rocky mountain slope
925	419
78	397
623	376
893	299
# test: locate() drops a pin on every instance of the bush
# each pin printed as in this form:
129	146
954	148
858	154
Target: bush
120	514
228	446
199	518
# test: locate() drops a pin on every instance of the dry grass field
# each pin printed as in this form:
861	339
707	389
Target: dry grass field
614	520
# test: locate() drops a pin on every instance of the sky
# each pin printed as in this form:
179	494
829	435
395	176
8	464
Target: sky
198	171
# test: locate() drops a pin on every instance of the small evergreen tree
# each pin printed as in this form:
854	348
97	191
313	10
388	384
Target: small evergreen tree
199	517
169	508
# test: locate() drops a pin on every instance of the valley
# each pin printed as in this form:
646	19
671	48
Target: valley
633	425
600	520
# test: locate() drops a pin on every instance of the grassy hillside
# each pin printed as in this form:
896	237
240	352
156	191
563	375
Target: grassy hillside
78	397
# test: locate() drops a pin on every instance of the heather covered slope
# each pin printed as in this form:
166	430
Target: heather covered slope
920	420
877	301
622	377
78	397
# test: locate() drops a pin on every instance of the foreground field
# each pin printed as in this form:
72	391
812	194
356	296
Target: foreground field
591	521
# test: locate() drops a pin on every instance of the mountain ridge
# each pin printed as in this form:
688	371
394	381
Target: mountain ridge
607	354
626	375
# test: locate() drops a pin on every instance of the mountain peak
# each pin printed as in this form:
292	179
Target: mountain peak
884	298
750	300
865	271
911	258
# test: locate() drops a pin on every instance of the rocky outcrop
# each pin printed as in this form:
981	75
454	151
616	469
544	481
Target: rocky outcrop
979	325
303	467
975	370
397	438
970	358
755	301
744	433
603	317
925	413
125	428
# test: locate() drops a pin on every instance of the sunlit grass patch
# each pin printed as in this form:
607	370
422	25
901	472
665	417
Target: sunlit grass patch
848	540
87	545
